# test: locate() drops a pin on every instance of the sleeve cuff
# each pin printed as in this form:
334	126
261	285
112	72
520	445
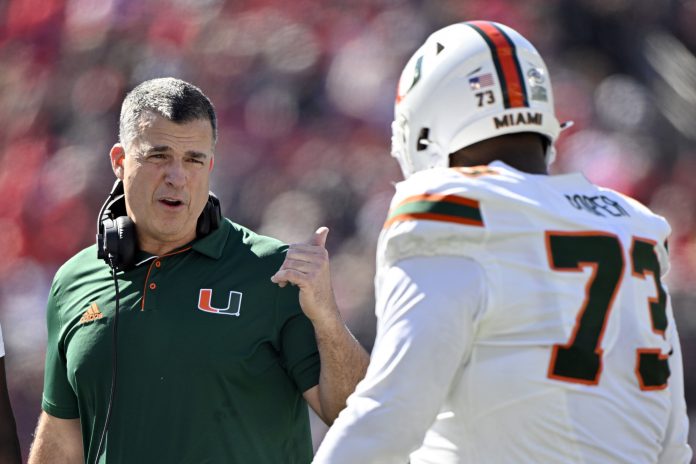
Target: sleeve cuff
58	411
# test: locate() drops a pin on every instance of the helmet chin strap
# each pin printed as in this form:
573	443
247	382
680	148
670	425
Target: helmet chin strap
433	155
550	155
438	158
551	149
567	124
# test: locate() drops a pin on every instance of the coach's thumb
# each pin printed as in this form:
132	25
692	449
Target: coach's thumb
319	237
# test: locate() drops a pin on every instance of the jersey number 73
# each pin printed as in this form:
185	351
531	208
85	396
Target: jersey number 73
580	360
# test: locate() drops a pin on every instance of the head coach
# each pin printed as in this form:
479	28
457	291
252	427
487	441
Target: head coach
176	337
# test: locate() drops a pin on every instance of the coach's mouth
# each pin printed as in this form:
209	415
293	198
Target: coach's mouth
171	203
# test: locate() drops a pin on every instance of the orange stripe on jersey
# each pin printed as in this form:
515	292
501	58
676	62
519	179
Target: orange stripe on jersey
433	217
506	63
437	207
439	197
475	171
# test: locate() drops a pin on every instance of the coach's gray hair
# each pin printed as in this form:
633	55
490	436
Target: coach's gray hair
168	97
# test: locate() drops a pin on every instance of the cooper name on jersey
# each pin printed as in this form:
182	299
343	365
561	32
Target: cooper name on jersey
599	205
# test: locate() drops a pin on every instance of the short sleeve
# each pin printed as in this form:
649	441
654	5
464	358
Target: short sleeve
297	341
59	398
424	338
437	213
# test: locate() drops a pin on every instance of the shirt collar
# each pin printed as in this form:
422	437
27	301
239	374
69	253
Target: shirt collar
213	244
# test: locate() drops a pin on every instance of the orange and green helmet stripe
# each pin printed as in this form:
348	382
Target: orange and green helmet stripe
507	64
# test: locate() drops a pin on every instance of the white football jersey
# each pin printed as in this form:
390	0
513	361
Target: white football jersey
551	336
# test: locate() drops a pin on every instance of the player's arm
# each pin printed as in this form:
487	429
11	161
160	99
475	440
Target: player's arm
675	448
343	360
9	444
57	441
426	308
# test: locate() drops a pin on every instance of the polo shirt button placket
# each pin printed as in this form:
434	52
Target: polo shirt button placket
151	285
158	264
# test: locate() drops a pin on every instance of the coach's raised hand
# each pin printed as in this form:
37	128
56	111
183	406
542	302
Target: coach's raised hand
343	360
307	266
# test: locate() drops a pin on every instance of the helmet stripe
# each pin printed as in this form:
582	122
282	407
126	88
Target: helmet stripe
507	64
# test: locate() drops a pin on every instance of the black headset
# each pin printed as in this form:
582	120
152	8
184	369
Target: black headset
116	239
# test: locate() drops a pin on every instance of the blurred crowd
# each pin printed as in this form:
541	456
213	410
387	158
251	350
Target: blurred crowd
304	92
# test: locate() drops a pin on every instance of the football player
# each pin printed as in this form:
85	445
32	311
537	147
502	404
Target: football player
522	317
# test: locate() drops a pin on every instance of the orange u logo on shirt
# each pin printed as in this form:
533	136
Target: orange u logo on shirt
234	303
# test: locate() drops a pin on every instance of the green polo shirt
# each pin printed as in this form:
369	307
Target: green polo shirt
212	356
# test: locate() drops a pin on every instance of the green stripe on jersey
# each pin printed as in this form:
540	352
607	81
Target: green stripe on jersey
444	208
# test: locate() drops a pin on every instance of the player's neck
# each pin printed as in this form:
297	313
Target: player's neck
524	152
528	163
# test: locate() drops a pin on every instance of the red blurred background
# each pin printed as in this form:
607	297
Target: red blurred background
304	93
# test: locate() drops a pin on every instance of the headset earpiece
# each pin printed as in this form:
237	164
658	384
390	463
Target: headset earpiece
116	239
210	218
119	242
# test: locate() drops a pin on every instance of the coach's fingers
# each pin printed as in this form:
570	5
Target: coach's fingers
319	237
303	261
298	265
286	276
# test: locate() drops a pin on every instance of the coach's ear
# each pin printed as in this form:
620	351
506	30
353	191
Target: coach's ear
117	155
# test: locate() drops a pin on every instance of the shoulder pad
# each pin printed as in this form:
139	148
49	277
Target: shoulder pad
434	212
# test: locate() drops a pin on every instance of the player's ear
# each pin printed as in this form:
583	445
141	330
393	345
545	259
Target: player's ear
117	156
212	163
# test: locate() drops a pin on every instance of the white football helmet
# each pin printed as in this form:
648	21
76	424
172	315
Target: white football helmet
469	82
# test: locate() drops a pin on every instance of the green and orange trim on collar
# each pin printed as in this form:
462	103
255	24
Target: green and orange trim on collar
507	64
436	207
